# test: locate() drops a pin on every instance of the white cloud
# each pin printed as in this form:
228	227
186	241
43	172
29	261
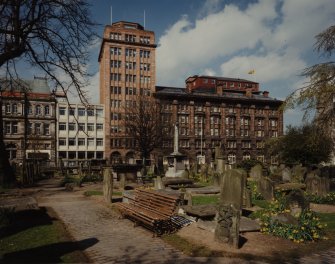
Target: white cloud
270	67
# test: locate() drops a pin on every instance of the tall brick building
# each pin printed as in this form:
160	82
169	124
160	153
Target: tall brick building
210	111
127	69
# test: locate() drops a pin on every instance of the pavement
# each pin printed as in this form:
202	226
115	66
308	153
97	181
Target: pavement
118	241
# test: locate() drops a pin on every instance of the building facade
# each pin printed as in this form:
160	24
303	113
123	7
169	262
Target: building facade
29	120
80	132
127	70
210	111
217	111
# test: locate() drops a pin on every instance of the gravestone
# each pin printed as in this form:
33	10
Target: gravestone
256	172
317	185
296	202
286	174
107	185
298	172
266	187
229	209
158	184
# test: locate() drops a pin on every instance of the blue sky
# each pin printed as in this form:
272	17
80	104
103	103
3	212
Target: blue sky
225	38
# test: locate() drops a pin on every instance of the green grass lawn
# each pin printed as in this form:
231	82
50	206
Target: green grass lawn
205	199
36	236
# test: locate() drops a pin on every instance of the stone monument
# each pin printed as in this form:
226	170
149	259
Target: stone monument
175	159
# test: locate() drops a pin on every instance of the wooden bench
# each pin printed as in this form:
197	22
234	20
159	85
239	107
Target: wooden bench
152	210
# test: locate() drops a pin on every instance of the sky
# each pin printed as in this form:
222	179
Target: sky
224	38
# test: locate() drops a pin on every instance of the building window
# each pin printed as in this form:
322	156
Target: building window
99	127
14	127
72	112
145	53
72	126
90	127
38	110
81	127
72	141
183	119
62	142
116	77
99	142
62	126
37	128
115	51
259	144
184	143
46	129
115	63
130	52
81	111
231	158
244	132
81	141
246	144
62	111
246	156
8	108
183	131
14	108
260	133
231	144
90	112
260	158
47	110
99	112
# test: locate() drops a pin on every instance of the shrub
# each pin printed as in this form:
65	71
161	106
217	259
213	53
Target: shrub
255	194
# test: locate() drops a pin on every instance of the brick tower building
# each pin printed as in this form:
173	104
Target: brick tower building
127	69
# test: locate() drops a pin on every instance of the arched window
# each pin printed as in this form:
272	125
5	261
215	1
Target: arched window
130	158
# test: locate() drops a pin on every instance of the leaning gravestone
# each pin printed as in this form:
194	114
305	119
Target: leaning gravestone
256	172
229	209
107	185
266	187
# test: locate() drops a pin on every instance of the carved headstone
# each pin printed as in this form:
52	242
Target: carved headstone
296	202
266	187
229	210
107	185
256	172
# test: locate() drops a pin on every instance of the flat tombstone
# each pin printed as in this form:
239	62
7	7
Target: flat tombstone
266	188
256	172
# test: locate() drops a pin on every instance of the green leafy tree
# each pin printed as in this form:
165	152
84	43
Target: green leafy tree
306	144
51	37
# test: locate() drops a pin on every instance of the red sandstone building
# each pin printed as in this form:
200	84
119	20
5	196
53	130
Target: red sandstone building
211	111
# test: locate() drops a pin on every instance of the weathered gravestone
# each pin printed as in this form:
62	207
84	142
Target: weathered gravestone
229	209
266	187
317	185
286	174
158	183
256	172
107	185
298	173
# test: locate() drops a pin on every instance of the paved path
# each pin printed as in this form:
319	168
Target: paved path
118	240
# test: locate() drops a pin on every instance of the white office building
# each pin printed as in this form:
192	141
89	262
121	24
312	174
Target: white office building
80	132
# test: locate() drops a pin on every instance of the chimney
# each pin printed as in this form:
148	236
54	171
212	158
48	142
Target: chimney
266	94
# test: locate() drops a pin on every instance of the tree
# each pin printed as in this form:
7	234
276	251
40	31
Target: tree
51	36
142	123
306	144
318	93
